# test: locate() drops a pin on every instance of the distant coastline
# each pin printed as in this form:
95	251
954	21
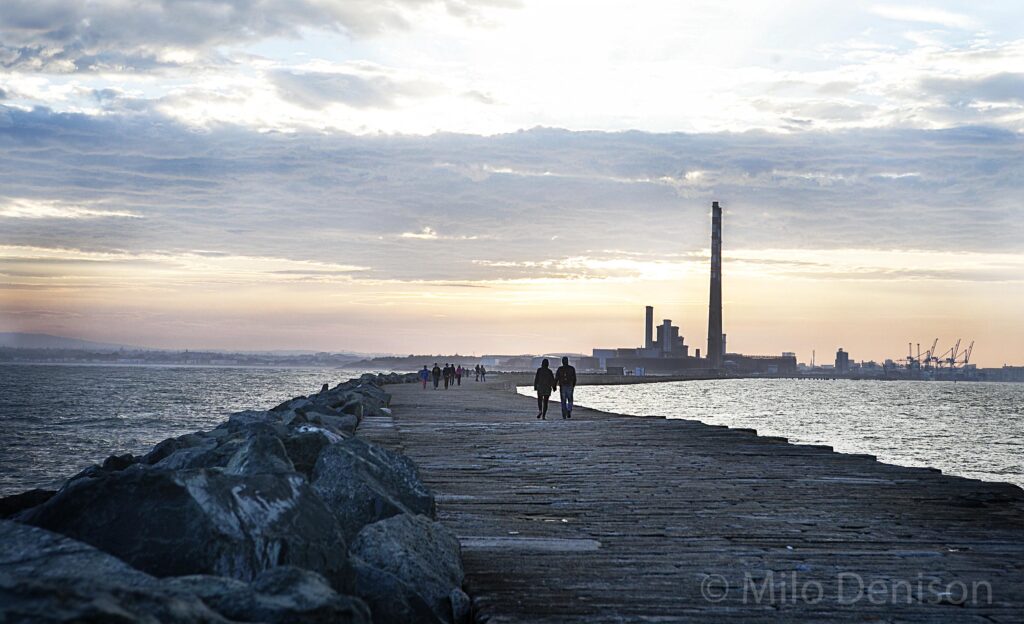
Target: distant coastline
520	366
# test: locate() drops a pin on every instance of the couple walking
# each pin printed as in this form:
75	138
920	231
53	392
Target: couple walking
545	382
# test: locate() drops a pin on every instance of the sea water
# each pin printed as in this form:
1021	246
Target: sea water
57	420
969	429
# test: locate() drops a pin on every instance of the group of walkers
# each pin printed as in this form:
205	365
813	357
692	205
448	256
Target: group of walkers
451	374
545	382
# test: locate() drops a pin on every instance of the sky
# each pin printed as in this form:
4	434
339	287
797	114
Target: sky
513	176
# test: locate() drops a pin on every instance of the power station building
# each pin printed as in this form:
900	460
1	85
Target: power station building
665	351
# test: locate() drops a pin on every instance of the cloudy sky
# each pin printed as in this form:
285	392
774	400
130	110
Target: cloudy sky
512	176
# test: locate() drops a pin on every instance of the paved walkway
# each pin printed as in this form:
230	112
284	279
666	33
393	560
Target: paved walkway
608	518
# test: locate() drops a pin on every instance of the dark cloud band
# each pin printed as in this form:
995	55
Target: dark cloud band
473	207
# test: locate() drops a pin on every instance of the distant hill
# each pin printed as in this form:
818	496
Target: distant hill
17	340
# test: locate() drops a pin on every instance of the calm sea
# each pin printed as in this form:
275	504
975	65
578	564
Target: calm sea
56	420
969	429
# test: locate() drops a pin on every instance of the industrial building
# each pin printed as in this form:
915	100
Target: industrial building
665	351
842	362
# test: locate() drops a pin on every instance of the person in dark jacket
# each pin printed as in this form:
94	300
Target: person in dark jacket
543	383
436	374
565	377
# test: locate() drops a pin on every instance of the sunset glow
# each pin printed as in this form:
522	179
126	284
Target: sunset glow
512	177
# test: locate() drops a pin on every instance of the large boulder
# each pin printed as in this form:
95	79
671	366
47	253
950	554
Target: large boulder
303	448
390	600
407	561
373	397
353	406
272	423
277	596
17	503
31	552
260	454
194	456
344	425
216	448
119	462
45	577
171	445
174	523
363	483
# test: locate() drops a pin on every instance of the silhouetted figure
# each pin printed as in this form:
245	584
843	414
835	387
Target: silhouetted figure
447	375
565	377
483	373
424	376
436	372
477	369
458	375
543	383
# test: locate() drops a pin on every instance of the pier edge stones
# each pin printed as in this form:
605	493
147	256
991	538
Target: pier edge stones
262	496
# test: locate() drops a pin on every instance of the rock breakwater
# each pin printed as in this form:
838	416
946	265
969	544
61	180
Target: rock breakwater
279	515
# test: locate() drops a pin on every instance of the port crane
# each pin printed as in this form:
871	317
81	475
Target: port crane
951	360
967	354
926	361
949	357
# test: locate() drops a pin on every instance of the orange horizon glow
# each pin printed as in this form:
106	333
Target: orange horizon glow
871	303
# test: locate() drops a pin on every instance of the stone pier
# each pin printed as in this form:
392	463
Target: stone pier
610	518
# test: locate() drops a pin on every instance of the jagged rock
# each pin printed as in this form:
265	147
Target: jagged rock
342	425
16	503
194	456
389	599
119	462
421	553
363	483
252	422
262	492
173	523
297	403
291	418
345	386
260	454
373	397
170	445
45	577
52	601
31	552
280	595
217	448
353	406
303	448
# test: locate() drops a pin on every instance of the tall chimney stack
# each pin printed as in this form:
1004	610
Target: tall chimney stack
714	353
649	335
